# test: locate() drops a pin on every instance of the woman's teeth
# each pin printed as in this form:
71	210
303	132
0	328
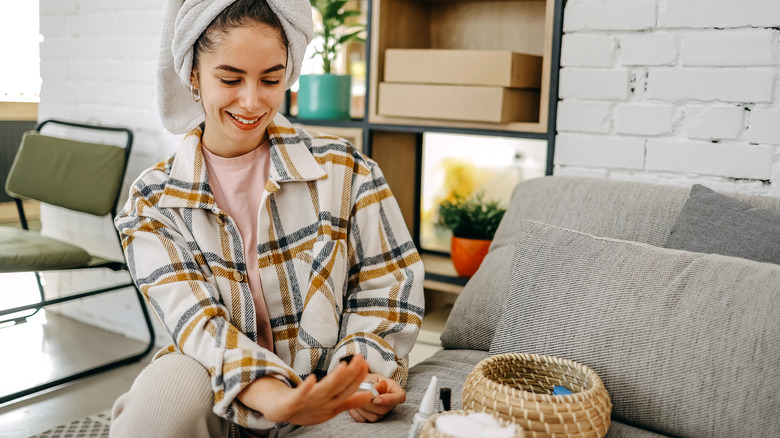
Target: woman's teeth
244	121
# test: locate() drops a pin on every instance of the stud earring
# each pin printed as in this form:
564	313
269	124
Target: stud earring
195	93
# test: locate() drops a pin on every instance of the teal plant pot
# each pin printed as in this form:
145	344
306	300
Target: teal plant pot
324	96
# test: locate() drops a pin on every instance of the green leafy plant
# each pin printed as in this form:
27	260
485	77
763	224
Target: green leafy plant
471	217
335	32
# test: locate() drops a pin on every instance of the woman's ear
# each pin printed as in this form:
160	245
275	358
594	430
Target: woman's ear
194	78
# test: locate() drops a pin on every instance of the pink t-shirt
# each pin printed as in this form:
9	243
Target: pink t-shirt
237	184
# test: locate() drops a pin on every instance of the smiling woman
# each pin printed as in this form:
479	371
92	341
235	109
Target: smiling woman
278	260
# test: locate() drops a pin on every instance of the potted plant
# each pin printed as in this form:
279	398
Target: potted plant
473	222
327	96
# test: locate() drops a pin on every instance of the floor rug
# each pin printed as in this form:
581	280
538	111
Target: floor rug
93	426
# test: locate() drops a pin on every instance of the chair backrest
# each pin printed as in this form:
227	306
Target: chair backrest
72	174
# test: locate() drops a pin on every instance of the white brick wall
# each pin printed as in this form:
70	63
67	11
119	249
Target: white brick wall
585	50
648	49
98	65
592	83
690	86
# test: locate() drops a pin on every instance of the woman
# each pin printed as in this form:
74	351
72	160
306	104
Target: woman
277	260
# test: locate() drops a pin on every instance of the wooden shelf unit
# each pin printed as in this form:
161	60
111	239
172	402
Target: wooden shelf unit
524	26
395	143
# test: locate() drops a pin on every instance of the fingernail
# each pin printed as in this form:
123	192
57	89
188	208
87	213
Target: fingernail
376	401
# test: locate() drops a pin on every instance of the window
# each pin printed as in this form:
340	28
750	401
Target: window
20	76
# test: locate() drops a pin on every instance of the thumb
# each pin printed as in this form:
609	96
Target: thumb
382	387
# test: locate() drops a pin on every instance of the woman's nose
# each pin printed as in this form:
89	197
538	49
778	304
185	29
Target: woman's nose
249	98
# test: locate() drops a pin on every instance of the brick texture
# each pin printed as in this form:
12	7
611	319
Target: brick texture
692	87
729	48
591	83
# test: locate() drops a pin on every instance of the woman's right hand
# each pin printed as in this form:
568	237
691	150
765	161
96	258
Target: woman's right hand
311	402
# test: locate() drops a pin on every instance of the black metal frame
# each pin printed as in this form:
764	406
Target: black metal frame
118	266
368	127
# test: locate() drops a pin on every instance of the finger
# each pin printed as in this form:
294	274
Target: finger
356	416
346	377
382	387
346	382
355	401
392	398
370	417
378	410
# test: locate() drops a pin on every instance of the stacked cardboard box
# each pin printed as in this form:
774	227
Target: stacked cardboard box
469	85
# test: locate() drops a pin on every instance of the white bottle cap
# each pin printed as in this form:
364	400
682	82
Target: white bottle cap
427	403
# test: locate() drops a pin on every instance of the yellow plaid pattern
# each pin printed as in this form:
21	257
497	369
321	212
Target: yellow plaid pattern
340	273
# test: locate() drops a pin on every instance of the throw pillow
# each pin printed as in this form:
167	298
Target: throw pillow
686	343
718	224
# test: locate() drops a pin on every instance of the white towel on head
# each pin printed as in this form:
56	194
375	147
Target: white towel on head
183	23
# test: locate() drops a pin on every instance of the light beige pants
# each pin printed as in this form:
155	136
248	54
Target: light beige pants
171	398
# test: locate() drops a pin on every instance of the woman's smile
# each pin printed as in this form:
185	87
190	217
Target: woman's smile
245	122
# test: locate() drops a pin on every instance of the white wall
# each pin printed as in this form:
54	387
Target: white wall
672	92
98	62
668	91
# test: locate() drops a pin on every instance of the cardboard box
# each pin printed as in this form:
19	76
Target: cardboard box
459	102
500	68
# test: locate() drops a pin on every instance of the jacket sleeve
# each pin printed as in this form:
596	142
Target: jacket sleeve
383	303
167	273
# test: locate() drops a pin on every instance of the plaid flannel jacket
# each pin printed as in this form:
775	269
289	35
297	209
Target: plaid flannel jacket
339	270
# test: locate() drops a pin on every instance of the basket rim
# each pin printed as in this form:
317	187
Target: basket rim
596	389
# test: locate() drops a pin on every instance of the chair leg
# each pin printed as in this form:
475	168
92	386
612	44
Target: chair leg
98	369
21	319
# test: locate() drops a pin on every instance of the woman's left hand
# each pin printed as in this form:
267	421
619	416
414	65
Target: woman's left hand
390	395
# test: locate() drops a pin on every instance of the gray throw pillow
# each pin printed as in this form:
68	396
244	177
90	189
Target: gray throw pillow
718	224
686	343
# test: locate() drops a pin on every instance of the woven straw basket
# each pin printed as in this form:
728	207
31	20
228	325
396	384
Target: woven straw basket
518	388
429	428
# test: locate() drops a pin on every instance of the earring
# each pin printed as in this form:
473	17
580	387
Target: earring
195	93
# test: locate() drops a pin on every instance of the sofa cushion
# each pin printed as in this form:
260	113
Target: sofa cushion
619	209
622	430
686	343
714	223
450	367
624	210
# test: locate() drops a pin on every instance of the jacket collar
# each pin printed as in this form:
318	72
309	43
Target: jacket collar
291	160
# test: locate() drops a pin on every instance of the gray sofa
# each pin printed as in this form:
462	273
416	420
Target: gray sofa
599	271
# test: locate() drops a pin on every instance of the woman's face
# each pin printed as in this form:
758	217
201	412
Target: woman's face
241	86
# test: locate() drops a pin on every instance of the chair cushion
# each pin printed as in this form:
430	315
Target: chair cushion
718	224
686	343
76	175
22	250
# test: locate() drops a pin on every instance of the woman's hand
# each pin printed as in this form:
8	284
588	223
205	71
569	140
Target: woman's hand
390	395
311	402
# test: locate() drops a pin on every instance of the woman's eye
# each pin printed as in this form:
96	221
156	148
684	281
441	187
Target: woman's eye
230	81
272	82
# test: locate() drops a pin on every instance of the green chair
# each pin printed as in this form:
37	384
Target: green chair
79	176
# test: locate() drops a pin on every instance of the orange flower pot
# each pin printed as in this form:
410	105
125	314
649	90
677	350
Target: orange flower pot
467	254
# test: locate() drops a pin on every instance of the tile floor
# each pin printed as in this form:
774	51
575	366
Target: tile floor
35	352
